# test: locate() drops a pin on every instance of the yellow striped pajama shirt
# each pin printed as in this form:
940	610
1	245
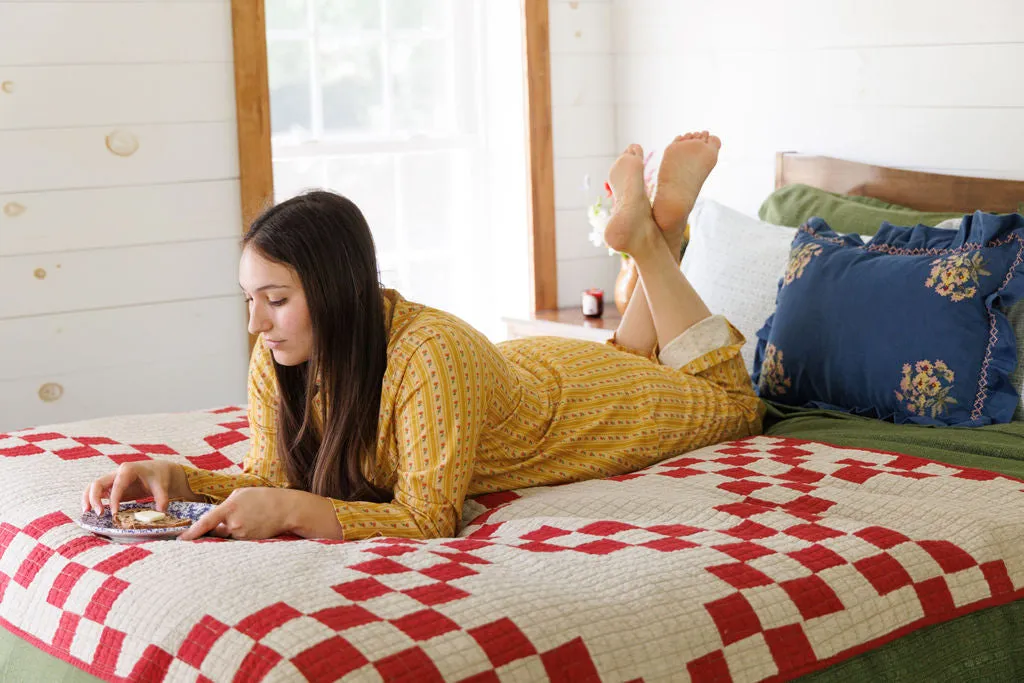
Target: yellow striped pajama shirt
460	416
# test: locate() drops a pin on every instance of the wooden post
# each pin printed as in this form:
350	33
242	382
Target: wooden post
543	261
252	104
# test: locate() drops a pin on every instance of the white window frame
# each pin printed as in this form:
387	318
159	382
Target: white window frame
464	20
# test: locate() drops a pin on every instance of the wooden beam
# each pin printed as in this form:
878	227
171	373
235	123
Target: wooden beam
540	155
252	104
252	100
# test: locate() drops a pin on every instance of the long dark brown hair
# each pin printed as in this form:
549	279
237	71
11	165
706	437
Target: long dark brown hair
324	238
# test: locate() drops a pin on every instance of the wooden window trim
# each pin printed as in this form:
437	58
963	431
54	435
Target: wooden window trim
252	103
256	175
540	156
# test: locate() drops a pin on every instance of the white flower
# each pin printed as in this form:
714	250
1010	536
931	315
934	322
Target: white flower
597	239
598	216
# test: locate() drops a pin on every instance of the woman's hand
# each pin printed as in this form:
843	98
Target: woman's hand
133	480
264	512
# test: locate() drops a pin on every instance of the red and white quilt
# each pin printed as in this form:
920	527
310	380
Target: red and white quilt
763	558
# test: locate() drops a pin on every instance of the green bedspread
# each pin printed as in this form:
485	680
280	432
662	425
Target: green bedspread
23	663
983	646
996	448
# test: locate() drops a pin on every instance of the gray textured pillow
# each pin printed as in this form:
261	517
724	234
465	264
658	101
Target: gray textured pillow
735	262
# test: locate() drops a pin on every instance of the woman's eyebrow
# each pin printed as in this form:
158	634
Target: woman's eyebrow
260	289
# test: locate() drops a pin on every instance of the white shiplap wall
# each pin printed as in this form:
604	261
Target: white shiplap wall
920	84
118	273
582	111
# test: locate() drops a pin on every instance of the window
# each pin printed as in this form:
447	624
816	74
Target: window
407	108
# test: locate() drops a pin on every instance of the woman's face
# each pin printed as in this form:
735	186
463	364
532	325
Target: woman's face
277	307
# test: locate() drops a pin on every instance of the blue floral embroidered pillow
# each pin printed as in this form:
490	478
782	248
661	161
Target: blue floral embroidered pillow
905	328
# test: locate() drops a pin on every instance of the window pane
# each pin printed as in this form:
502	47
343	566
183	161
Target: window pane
286	15
348	15
350	76
369	181
288	67
431	283
418	14
427	191
295	176
420	90
392	278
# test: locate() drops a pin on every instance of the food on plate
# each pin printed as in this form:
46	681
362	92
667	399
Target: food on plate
148	519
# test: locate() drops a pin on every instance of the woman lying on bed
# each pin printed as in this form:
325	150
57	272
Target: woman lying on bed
371	415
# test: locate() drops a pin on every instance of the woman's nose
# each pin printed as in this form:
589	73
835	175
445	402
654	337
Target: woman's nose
257	321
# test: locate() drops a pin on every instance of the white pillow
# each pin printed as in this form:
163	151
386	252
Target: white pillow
735	262
950	224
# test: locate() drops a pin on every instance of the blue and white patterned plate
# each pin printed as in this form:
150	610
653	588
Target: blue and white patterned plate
104	524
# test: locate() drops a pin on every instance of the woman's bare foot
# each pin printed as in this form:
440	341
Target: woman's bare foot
685	165
632	228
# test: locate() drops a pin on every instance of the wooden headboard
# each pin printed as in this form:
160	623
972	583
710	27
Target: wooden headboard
918	190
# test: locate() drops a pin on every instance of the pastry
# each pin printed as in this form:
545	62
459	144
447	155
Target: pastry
148	519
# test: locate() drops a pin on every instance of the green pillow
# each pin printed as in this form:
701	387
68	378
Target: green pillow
793	205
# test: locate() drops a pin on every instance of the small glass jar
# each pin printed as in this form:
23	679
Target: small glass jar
592	303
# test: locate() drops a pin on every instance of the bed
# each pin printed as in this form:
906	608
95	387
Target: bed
829	548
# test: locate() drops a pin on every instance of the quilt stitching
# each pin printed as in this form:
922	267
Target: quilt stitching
756	547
